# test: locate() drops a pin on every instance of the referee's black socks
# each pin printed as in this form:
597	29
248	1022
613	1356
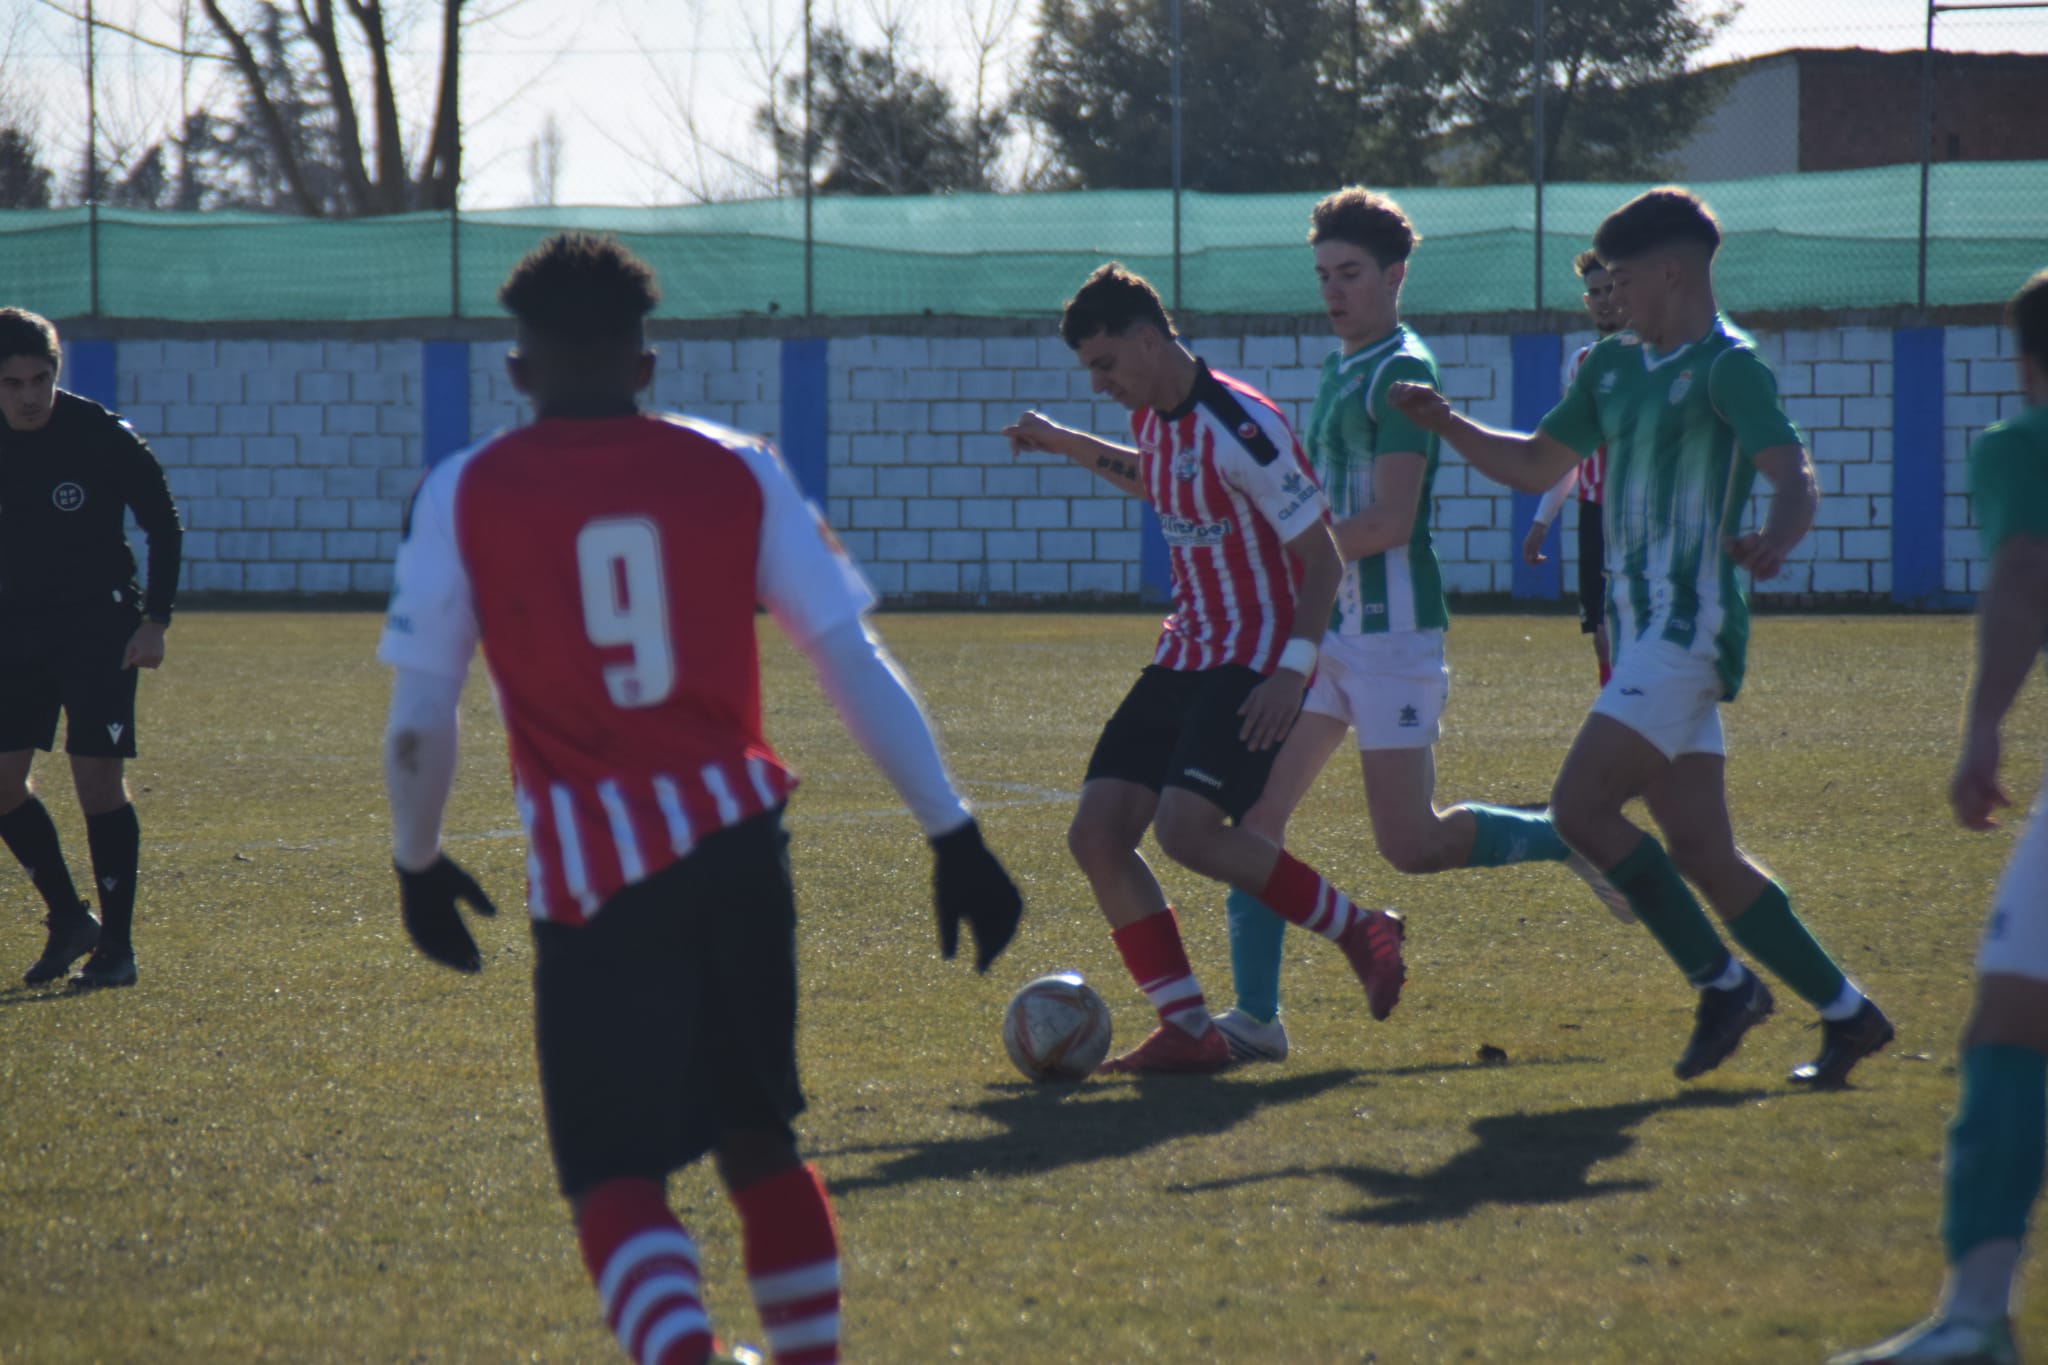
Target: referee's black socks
31	836
115	838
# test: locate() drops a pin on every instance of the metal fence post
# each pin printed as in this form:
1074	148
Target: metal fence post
1536	164
1175	103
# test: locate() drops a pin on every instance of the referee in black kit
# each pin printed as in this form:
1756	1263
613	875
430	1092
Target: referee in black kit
74	628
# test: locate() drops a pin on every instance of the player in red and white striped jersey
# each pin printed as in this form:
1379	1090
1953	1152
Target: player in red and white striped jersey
1588	476
610	562
1255	574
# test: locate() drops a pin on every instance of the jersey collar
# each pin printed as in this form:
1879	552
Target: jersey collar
1372	349
1658	362
1204	381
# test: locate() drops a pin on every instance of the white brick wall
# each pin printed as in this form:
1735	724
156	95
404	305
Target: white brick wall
292	459
1982	386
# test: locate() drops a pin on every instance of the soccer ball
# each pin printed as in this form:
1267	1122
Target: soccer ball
1056	1028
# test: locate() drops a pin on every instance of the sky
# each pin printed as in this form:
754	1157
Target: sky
650	101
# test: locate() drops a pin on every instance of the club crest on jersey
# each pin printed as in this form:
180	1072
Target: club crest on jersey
67	497
1607	382
1681	385
1186	466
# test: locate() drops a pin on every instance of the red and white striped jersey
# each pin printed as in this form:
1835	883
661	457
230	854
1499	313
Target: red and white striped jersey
1592	469
611	568
1232	486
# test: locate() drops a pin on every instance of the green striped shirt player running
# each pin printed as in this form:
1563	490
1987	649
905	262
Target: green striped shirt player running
1381	667
1991	1174
1690	417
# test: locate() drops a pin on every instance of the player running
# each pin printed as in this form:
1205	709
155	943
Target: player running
1996	1142
1689	415
1255	573
1587	477
1381	667
611	562
74	628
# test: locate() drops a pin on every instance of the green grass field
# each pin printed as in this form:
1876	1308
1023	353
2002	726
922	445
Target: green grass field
299	1141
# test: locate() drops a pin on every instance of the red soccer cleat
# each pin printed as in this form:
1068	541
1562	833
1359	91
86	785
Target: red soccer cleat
1169	1050
1373	945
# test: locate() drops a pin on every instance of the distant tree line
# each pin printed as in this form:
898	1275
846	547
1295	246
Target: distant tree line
1277	95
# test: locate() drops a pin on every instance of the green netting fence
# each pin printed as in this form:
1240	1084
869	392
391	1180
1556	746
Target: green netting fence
1846	239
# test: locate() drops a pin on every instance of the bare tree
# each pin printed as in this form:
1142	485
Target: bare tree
375	178
544	163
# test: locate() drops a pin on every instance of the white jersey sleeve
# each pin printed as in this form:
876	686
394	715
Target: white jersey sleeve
431	622
805	578
1283	488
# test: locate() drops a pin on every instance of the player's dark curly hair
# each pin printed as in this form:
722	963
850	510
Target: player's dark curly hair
1371	222
1655	219
1586	262
1112	300
2027	314
580	287
26	333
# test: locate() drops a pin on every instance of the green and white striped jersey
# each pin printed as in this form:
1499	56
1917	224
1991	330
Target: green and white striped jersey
1682	432
1351	425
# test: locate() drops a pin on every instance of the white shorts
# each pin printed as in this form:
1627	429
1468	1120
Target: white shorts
1668	695
1391	688
2016	937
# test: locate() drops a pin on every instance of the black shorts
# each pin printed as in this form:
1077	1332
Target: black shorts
1180	729
71	664
670	1017
1592	569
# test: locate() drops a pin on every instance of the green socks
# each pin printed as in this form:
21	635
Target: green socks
1666	907
1993	1172
1775	937
1503	836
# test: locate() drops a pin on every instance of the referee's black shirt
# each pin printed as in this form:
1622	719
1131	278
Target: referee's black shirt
63	533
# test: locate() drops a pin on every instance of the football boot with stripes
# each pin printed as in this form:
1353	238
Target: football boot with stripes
1372	942
1171	1050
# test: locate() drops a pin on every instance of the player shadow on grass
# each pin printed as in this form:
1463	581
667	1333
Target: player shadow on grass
1046	1128
1520	1159
48	992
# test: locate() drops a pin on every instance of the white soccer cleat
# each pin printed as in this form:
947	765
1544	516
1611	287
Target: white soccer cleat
1250	1040
1609	894
1940	1341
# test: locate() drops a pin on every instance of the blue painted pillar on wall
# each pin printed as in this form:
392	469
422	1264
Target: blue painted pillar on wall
806	414
1918	413
1538	360
92	370
444	398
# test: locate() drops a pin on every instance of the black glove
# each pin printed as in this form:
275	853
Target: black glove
968	883
427	900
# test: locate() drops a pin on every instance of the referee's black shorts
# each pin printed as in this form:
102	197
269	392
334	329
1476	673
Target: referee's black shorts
1592	569
670	1016
68	662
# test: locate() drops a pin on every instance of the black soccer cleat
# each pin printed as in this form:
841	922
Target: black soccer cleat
1724	1016
108	966
72	935
1843	1043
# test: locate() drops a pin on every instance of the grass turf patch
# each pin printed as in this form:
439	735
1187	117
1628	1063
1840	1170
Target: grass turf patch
298	1140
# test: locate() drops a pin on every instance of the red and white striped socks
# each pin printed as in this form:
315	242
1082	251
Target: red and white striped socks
1298	894
1157	961
645	1268
792	1256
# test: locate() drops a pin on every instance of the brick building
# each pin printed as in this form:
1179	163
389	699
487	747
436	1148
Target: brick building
1840	109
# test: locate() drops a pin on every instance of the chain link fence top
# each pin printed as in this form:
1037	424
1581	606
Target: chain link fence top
1847	239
